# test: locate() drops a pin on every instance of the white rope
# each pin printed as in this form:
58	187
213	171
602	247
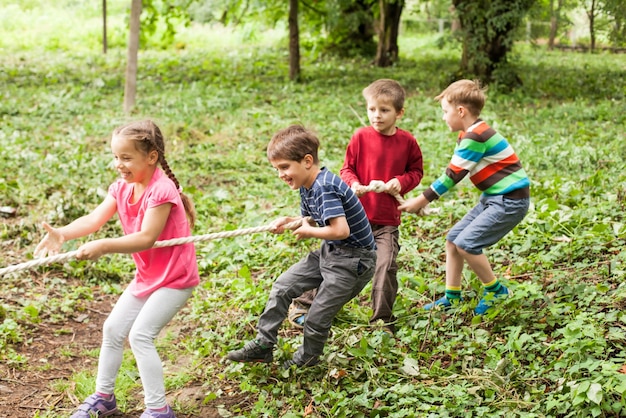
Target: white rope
379	186
167	243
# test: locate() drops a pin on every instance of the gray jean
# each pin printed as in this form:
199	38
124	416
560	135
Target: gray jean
487	222
385	281
338	272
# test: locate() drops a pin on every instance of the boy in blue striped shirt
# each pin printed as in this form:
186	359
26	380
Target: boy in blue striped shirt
340	268
494	168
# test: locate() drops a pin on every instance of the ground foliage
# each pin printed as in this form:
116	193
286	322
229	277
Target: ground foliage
555	349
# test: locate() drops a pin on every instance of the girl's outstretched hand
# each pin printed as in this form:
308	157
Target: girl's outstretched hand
51	243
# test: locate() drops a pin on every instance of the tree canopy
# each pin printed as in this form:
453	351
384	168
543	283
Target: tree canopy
486	29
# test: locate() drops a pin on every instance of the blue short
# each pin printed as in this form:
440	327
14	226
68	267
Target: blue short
490	220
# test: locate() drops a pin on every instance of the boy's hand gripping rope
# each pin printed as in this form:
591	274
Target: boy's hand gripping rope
167	243
379	186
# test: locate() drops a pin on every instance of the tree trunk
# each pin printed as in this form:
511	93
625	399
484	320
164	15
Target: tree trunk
104	27
388	31
351	27
456	24
553	29
130	89
294	41
487	31
553	25
591	14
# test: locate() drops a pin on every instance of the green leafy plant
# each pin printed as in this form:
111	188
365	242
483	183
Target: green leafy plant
553	349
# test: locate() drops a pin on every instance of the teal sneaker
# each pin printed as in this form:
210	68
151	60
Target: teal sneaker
443	303
489	298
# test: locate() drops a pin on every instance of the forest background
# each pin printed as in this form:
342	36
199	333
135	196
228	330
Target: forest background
219	90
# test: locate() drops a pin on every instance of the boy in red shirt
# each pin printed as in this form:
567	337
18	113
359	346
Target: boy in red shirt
386	153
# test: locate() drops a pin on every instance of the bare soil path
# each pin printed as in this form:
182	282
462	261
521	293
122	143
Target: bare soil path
54	352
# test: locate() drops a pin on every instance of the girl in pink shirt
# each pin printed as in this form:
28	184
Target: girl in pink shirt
151	207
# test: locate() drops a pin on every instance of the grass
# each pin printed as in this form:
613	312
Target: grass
552	350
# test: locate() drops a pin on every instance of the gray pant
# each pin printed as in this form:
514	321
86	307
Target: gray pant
385	281
339	273
487	222
141	320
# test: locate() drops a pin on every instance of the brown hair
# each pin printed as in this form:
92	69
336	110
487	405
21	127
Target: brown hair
386	89
148	137
467	93
293	143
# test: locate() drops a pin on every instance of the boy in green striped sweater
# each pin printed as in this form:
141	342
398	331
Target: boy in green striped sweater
495	169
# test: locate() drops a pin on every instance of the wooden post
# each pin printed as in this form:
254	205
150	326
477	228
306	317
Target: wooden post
130	89
294	41
104	26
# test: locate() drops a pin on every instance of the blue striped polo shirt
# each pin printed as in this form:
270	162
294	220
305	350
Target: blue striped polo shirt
330	197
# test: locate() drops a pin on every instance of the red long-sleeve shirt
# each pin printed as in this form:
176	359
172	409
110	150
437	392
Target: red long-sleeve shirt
373	156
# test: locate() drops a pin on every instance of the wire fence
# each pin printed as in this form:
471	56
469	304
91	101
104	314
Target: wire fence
531	29
575	38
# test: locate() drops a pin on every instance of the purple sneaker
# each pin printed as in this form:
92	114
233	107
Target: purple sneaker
151	413
96	406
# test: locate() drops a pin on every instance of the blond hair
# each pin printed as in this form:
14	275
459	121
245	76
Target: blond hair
386	88
467	93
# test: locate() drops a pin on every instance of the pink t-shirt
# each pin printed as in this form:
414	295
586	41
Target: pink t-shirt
173	267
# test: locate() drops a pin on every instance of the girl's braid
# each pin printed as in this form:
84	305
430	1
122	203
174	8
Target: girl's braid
187	203
167	169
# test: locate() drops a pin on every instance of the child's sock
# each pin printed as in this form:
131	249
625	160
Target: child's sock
453	293
493	286
159	409
106	396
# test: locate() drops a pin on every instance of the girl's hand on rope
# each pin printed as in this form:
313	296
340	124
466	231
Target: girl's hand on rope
91	250
51	243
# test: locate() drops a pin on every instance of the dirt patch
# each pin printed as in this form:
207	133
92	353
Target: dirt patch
55	351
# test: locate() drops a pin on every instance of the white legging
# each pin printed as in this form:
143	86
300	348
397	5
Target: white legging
141	320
